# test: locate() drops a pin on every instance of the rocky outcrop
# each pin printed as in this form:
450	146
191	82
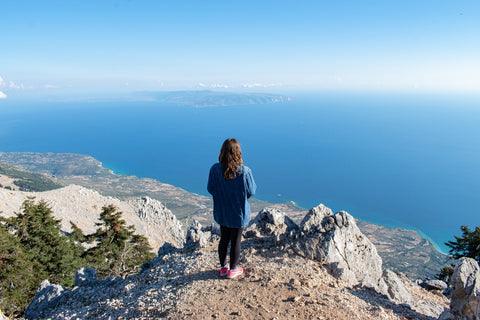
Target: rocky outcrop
273	224
196	238
46	298
313	220
393	286
336	241
465	301
199	236
159	220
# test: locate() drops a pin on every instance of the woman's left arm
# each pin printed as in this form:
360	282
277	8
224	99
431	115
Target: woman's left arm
250	183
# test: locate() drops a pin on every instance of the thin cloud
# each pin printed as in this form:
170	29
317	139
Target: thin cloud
260	85
3	95
214	85
13	85
10	84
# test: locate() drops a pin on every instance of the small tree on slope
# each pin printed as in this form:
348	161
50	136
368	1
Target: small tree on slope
118	250
468	245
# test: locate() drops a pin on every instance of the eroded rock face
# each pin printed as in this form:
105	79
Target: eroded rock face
273	224
46	297
394	287
465	302
196	238
199	236
160	221
334	239
313	220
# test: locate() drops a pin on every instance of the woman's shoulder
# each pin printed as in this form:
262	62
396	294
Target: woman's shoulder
245	169
216	166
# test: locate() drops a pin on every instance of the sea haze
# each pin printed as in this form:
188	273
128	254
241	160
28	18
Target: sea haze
398	160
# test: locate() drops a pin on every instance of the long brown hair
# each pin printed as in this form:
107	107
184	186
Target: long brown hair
231	157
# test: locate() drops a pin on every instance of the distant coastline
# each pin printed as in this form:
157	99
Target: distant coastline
401	249
208	98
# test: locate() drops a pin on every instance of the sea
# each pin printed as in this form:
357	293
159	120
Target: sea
399	160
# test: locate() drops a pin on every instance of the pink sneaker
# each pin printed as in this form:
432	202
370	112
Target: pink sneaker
232	273
224	270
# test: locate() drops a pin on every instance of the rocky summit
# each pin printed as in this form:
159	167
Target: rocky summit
324	268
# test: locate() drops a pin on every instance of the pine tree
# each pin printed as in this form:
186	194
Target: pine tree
118	250
18	277
468	245
40	236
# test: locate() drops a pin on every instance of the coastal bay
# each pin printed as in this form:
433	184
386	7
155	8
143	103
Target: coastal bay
401	249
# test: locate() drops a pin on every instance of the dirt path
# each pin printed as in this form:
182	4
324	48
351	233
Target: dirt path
281	286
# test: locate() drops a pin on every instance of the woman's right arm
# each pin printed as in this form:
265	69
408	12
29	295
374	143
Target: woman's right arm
210	184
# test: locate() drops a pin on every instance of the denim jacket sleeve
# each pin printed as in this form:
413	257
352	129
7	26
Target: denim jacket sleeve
210	184
249	183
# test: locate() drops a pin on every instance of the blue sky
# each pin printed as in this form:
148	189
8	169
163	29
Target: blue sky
121	46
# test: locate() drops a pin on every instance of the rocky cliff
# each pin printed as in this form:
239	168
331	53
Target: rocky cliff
324	268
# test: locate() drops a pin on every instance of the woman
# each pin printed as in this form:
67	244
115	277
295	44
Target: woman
231	184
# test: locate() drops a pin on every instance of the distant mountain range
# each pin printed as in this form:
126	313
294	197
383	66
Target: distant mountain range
207	98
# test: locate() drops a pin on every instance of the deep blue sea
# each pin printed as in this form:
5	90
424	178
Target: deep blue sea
399	160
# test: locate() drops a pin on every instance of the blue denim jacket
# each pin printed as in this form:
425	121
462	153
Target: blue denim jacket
230	204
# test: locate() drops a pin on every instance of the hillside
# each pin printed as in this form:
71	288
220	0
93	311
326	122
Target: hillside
15	178
279	282
401	249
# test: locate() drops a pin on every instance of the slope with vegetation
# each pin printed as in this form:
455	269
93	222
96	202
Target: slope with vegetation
26	180
33	248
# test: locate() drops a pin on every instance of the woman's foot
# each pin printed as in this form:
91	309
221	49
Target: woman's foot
224	270
232	273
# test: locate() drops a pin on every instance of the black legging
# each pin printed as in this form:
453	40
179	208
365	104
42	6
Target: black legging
233	235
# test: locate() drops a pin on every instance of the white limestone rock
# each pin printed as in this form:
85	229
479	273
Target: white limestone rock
159	221
271	223
395	288
312	222
196	237
336	241
45	298
465	302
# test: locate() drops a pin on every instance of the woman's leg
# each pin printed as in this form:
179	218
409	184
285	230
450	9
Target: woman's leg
236	239
225	234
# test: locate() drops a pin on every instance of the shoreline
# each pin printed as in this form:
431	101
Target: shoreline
403	249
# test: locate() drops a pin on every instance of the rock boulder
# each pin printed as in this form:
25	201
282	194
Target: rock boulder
465	302
271	223
335	240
